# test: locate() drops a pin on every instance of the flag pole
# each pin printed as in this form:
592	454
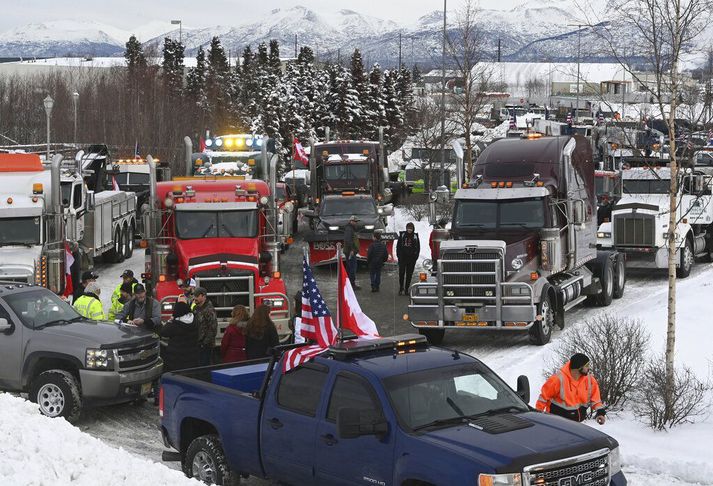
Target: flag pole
340	292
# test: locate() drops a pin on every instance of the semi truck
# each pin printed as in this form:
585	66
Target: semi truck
392	411
221	233
95	222
231	155
639	225
522	248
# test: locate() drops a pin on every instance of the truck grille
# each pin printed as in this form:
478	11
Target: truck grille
138	356
470	274
634	230
227	292
587	470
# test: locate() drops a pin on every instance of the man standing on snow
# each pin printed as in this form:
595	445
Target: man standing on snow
571	391
408	247
376	256
207	322
351	249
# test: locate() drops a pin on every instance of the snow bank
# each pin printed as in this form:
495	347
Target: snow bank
37	450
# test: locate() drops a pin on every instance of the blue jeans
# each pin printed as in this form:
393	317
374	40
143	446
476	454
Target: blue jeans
352	269
375	275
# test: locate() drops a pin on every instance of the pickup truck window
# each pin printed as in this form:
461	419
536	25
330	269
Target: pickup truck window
353	392
437	396
301	389
39	308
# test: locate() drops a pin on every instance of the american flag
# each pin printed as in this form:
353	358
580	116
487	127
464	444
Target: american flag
317	322
513	123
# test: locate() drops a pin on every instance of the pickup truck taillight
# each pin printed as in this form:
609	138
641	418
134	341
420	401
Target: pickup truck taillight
160	402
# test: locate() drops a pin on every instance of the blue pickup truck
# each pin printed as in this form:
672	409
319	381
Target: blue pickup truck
391	411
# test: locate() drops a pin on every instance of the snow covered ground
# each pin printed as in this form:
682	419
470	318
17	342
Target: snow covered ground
37	450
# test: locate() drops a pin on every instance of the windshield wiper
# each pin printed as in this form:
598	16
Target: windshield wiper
497	411
519	225
448	421
227	230
208	230
58	322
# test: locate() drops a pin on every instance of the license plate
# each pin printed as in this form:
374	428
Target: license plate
470	317
145	389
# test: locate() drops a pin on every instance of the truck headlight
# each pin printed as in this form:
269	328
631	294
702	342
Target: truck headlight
167	307
333	228
516	263
423	291
368	226
614	461
603	234
514	479
98	359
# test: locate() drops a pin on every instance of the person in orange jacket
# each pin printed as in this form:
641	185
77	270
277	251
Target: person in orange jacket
571	391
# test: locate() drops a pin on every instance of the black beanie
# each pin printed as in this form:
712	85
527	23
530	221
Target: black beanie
577	361
181	309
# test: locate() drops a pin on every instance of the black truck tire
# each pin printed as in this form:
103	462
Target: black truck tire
57	394
619	276
606	277
116	254
129	231
205	461
541	331
685	263
434	336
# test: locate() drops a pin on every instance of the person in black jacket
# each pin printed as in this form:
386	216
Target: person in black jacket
179	340
408	248
376	256
351	249
260	333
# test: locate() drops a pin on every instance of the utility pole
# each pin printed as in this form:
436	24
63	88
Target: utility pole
498	49
399	51
180	29
295	45
443	99
75	98
579	53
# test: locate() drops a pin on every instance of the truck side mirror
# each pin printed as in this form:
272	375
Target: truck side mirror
352	423
90	201
5	326
523	388
309	213
578	216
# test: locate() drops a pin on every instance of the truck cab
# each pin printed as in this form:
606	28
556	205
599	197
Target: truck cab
390	411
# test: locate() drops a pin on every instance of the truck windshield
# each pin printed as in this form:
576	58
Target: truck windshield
346	171
647	186
436	396
347	206
216	224
508	213
20	231
40	308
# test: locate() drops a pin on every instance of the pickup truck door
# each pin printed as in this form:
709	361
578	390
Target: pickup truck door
289	424
363	460
10	352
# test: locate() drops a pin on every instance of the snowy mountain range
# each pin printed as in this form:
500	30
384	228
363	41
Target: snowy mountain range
536	30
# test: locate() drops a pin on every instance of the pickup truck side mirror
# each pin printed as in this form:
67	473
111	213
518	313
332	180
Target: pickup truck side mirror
5	326
523	388
352	423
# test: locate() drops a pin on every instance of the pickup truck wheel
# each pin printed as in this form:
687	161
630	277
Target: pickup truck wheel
205	461
57	394
686	263
619	277
541	331
434	336
606	277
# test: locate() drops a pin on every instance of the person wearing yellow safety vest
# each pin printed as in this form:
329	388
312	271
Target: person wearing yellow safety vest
188	286
126	278
126	290
571	391
88	304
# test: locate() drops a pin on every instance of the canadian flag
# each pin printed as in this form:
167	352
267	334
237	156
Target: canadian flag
68	262
114	184
299	152
350	314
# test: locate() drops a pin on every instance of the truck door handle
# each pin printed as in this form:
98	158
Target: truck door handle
275	423
329	439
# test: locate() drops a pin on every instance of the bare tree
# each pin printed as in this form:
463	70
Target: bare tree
663	31
466	48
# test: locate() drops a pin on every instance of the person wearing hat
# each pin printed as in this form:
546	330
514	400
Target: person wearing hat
88	276
88	304
126	278
179	340
188	287
408	247
351	249
376	256
142	310
207	323
126	291
571	391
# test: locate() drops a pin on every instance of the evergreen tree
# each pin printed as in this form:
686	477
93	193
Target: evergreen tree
360	86
173	66
416	74
394	117
376	104
345	105
274	58
248	89
217	83
306	56
196	79
135	58
404	94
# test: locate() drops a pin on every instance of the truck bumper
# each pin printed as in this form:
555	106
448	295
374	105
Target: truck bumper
113	386
512	317
618	479
642	258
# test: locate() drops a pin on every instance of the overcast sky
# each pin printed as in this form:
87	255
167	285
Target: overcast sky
127	13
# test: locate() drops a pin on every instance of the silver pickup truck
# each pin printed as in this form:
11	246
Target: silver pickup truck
66	362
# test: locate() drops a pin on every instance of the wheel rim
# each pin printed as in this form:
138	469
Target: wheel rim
51	400
117	243
130	240
610	281
620	275
204	467
546	328
687	258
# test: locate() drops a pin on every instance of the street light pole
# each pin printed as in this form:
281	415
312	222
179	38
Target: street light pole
180	29
579	54
443	101
75	99
49	103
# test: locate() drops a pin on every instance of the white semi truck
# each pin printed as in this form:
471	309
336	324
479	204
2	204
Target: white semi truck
34	195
